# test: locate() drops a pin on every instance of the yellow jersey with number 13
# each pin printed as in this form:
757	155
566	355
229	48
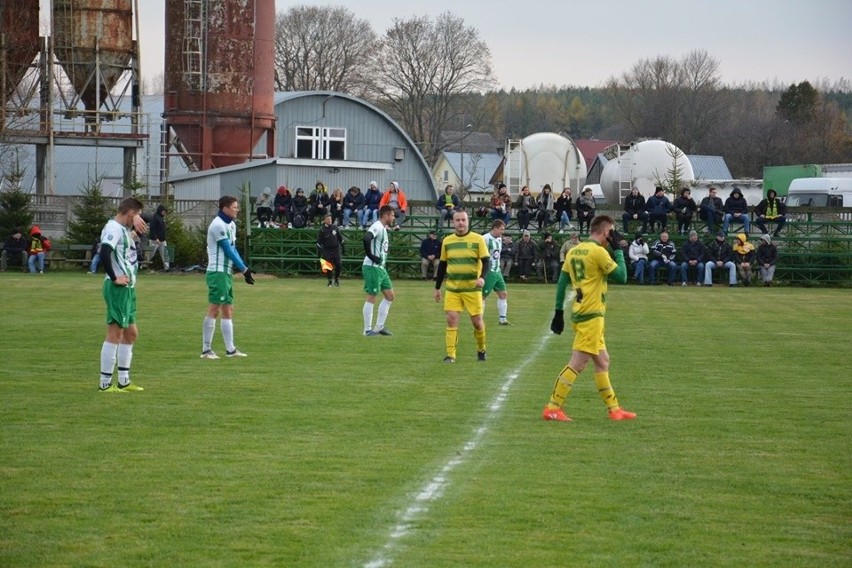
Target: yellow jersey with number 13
588	264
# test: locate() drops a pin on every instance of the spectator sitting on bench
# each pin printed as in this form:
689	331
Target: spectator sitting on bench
767	257
546	208
370	212
638	254
507	255
564	203
771	210
37	249
743	257
663	254
318	202
658	208
430	254
711	210
395	198
684	207
335	207
693	258
501	204
585	209
634	210
720	255
736	211
353	203
447	204
282	205
15	248
263	207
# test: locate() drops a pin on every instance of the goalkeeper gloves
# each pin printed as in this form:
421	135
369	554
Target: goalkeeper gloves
557	324
249	278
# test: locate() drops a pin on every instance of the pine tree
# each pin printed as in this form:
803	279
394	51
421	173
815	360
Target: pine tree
91	213
15	211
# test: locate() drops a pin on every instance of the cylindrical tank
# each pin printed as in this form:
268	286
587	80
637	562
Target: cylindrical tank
646	165
19	26
91	37
549	158
219	76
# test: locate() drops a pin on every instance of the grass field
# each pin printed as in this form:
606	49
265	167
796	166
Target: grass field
326	448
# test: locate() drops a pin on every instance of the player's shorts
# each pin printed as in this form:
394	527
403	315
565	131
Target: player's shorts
589	336
493	282
461	301
220	288
376	279
120	304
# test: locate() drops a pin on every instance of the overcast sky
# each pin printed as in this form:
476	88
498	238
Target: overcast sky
564	42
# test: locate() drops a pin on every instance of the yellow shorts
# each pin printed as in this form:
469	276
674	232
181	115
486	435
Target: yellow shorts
589	336
461	301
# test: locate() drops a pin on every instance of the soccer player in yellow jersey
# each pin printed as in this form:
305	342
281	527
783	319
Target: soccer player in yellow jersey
464	263
587	266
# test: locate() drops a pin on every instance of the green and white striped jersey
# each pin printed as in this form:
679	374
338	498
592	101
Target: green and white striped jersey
495	249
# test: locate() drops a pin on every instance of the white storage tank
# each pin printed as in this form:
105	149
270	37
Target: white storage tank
645	165
544	158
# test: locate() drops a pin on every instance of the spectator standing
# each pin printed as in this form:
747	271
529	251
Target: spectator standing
37	250
658	207
335	207
546	207
501	204
447	204
524	206
430	253
395	198
264	208
586	209
634	210
525	255
330	244
564	204
157	236
282	205
353	204
318	202
711	210
767	257
663	254
771	210
464	263
720	255
494	278
684	207
370	212
119	254
15	249
507	256
376	278
638	254
743	257
549	259
222	258
693	259
736	211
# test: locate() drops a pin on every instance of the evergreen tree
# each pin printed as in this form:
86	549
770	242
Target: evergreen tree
91	213
15	211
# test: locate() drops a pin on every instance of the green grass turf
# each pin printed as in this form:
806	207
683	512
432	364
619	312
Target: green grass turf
310	451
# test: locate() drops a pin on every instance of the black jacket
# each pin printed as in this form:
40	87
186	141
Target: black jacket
763	206
687	204
329	239
766	254
693	250
430	247
662	249
736	204
157	231
634	204
717	251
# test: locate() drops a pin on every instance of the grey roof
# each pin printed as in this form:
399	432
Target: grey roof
480	165
709	167
457	141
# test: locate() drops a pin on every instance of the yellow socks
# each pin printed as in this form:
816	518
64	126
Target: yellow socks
479	334
452	339
563	385
605	390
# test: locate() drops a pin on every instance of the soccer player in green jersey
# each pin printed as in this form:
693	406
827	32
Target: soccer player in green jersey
222	258
118	256
587	266
494	279
464	263
376	278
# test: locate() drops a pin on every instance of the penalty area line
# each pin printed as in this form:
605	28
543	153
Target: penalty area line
434	489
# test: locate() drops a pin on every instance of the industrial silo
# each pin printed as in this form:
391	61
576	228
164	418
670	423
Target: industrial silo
93	42
645	165
219	72
19	43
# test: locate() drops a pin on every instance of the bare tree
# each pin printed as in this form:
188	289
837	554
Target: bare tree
424	69
322	49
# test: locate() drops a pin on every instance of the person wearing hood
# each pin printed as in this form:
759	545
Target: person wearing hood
282	205
318	202
743	257
719	256
693	257
766	256
263	207
736	211
299	210
37	250
638	254
771	210
157	235
395	198
15	248
370	211
353	203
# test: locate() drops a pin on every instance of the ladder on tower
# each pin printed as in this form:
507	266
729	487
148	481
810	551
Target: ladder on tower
625	171
193	42
513	168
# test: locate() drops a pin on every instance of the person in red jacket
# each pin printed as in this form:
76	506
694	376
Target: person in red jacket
37	249
395	198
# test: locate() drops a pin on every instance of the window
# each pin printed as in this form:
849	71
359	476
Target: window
446	176
320	143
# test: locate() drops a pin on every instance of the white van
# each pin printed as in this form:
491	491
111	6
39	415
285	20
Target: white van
820	192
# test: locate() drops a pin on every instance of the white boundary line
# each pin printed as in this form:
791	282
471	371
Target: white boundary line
433	490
